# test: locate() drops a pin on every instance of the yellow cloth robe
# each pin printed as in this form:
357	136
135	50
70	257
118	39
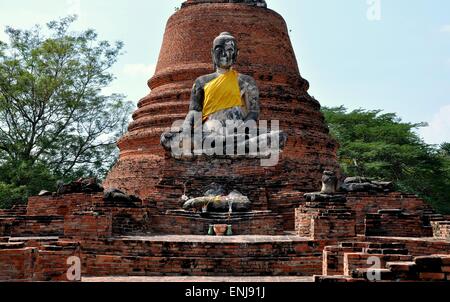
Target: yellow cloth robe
222	93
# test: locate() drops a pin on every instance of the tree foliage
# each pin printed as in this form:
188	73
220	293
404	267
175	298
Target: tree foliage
380	145
55	122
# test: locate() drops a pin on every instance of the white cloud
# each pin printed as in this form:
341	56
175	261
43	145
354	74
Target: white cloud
445	28
438	130
138	70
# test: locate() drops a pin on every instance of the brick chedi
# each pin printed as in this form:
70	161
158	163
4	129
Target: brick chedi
267	55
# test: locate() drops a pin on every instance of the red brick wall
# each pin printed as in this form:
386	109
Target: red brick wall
396	225
45	263
325	220
433	268
51	264
333	258
128	221
5	226
333	228
32	226
418	246
17	264
365	203
419	269
250	224
201	258
62	205
88	225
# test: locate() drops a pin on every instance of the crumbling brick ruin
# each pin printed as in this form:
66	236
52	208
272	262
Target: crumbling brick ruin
334	236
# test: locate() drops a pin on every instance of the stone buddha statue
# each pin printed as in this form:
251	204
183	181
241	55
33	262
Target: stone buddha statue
224	111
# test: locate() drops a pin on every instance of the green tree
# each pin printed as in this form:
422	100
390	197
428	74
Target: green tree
379	145
55	122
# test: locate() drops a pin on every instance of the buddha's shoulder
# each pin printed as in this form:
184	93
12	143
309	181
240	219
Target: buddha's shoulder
205	79
246	79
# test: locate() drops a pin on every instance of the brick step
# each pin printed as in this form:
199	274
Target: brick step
404	270
358	261
372	275
387	245
17	210
196	279
387	251
203	256
204	246
105	265
429	219
337	279
11	246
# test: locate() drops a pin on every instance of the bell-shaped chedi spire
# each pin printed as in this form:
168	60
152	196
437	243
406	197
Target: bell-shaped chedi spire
259	3
266	54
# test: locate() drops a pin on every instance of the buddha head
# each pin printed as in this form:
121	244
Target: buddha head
225	51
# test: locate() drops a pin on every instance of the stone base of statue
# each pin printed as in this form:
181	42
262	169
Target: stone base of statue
182	222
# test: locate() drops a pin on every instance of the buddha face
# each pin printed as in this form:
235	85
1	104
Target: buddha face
225	52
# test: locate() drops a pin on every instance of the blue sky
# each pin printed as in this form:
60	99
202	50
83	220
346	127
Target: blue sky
399	62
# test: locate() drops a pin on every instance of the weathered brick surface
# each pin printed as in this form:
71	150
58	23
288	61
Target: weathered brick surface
62	205
418	246
396	223
51	264
17	264
127	221
334	256
428	268
32	225
155	256
44	263
365	203
325	220
182	223
88	225
16	210
441	229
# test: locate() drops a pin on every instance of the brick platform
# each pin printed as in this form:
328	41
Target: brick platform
200	279
44	263
203	256
325	220
188	223
396	223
